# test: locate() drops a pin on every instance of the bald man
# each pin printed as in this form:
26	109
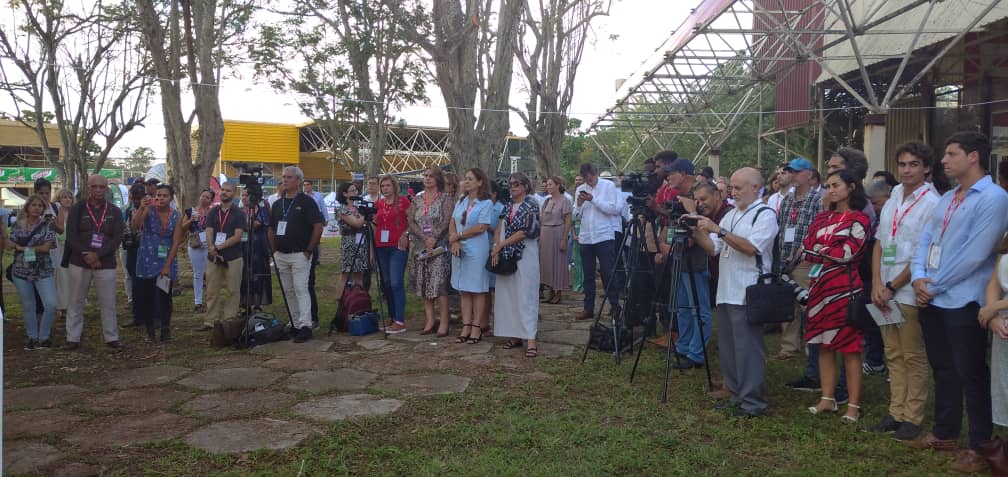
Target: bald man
94	231
744	232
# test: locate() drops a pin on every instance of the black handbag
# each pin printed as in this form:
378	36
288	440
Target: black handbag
505	266
857	315
769	300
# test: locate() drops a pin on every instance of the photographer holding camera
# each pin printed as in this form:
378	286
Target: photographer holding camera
743	233
599	207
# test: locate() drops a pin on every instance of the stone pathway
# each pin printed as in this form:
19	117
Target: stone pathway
271	397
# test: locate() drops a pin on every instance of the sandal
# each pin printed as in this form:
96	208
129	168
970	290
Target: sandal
851	419
548	298
556	300
532	352
463	338
512	343
815	409
477	339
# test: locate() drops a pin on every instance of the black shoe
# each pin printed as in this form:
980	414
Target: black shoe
907	431
739	412
47	344
165	335
132	324
724	406
71	346
303	334
887	424
31	345
805	384
687	364
116	345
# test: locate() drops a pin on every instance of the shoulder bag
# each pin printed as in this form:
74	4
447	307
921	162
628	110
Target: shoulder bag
9	271
769	300
857	315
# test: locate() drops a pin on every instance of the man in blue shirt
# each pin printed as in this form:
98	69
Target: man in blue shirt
949	273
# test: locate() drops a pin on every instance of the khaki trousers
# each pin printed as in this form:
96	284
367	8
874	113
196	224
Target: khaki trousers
791	333
908	367
223	290
105	288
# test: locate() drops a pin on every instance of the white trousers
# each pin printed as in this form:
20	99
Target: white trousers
293	269
105	288
198	257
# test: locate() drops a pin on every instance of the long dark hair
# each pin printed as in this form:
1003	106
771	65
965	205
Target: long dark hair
856	200
342	189
483	193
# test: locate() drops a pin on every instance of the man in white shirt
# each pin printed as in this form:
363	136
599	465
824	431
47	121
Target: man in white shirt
597	202
743	233
783	188
901	222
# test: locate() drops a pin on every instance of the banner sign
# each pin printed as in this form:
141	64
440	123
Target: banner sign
31	174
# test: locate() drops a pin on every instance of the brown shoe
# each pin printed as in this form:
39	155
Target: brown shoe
930	441
585	315
719	394
782	356
661	341
968	461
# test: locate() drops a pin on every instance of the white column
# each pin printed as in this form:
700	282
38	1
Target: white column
875	142
714	160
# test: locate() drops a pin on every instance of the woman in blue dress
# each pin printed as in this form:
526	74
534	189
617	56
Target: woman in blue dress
470	249
164	230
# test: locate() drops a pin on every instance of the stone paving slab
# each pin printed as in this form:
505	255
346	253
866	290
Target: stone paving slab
40	396
570	337
306	361
141	400
324	381
25	456
289	346
77	469
455	349
127	430
38	422
336	408
230	404
248	435
554	350
398	363
232	378
413	385
236	359
413	336
149	376
553	325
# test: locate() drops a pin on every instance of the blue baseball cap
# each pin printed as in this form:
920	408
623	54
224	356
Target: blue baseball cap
680	165
799	164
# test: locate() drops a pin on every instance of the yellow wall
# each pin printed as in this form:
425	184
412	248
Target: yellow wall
13	133
260	142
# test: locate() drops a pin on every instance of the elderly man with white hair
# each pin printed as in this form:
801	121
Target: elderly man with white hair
295	229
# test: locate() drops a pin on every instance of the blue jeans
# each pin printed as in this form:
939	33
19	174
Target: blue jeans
393	268
874	348
46	288
690	342
605	252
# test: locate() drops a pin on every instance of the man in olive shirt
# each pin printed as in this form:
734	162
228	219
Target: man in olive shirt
225	228
295	229
94	231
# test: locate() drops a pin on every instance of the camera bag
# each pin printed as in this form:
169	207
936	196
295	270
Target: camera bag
355	300
769	300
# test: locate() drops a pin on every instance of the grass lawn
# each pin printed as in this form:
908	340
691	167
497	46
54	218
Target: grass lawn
548	416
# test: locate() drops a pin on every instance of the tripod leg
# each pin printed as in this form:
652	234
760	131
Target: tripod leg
700	326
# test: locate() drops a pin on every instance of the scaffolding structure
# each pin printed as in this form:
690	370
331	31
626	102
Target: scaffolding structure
408	148
729	55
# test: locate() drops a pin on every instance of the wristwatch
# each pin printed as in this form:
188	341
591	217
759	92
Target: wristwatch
890	287
721	233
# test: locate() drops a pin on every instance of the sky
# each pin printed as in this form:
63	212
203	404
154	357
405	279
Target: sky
639	27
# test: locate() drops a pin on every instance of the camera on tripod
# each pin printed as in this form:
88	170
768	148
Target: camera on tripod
800	292
365	207
251	178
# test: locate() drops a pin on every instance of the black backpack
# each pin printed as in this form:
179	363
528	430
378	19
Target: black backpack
262	328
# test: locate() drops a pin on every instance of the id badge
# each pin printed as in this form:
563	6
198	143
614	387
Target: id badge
202	236
889	255
162	251
244	236
281	228
219	238
96	240
789	234
359	238
815	270
934	256
29	254
726	252
670	236
384	236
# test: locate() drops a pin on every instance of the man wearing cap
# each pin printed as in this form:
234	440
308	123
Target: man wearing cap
678	178
796	212
706	175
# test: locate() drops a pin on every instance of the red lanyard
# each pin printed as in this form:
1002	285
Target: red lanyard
795	205
164	227
829	235
896	222
949	212
514	211
465	214
426	206
98	224
224	219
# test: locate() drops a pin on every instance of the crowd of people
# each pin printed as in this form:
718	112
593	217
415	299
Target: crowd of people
926	261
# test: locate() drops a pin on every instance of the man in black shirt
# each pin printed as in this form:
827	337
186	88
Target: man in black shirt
295	229
225	232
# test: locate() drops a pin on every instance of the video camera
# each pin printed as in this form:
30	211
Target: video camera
365	207
251	178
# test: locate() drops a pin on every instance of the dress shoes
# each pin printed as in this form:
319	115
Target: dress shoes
585	315
930	441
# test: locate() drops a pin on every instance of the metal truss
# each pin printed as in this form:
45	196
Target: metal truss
407	148
716	67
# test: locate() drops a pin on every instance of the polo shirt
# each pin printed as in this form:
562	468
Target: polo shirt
301	214
235	219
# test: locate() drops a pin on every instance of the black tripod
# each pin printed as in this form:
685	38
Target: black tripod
628	257
249	248
674	267
364	250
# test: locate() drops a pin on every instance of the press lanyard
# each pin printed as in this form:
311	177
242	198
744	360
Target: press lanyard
426	206
795	205
896	222
285	206
949	212
829	235
97	224
739	218
514	211
223	220
164	227
202	219
465	214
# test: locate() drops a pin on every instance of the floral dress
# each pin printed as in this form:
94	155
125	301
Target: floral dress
155	243
431	221
834	245
354	257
